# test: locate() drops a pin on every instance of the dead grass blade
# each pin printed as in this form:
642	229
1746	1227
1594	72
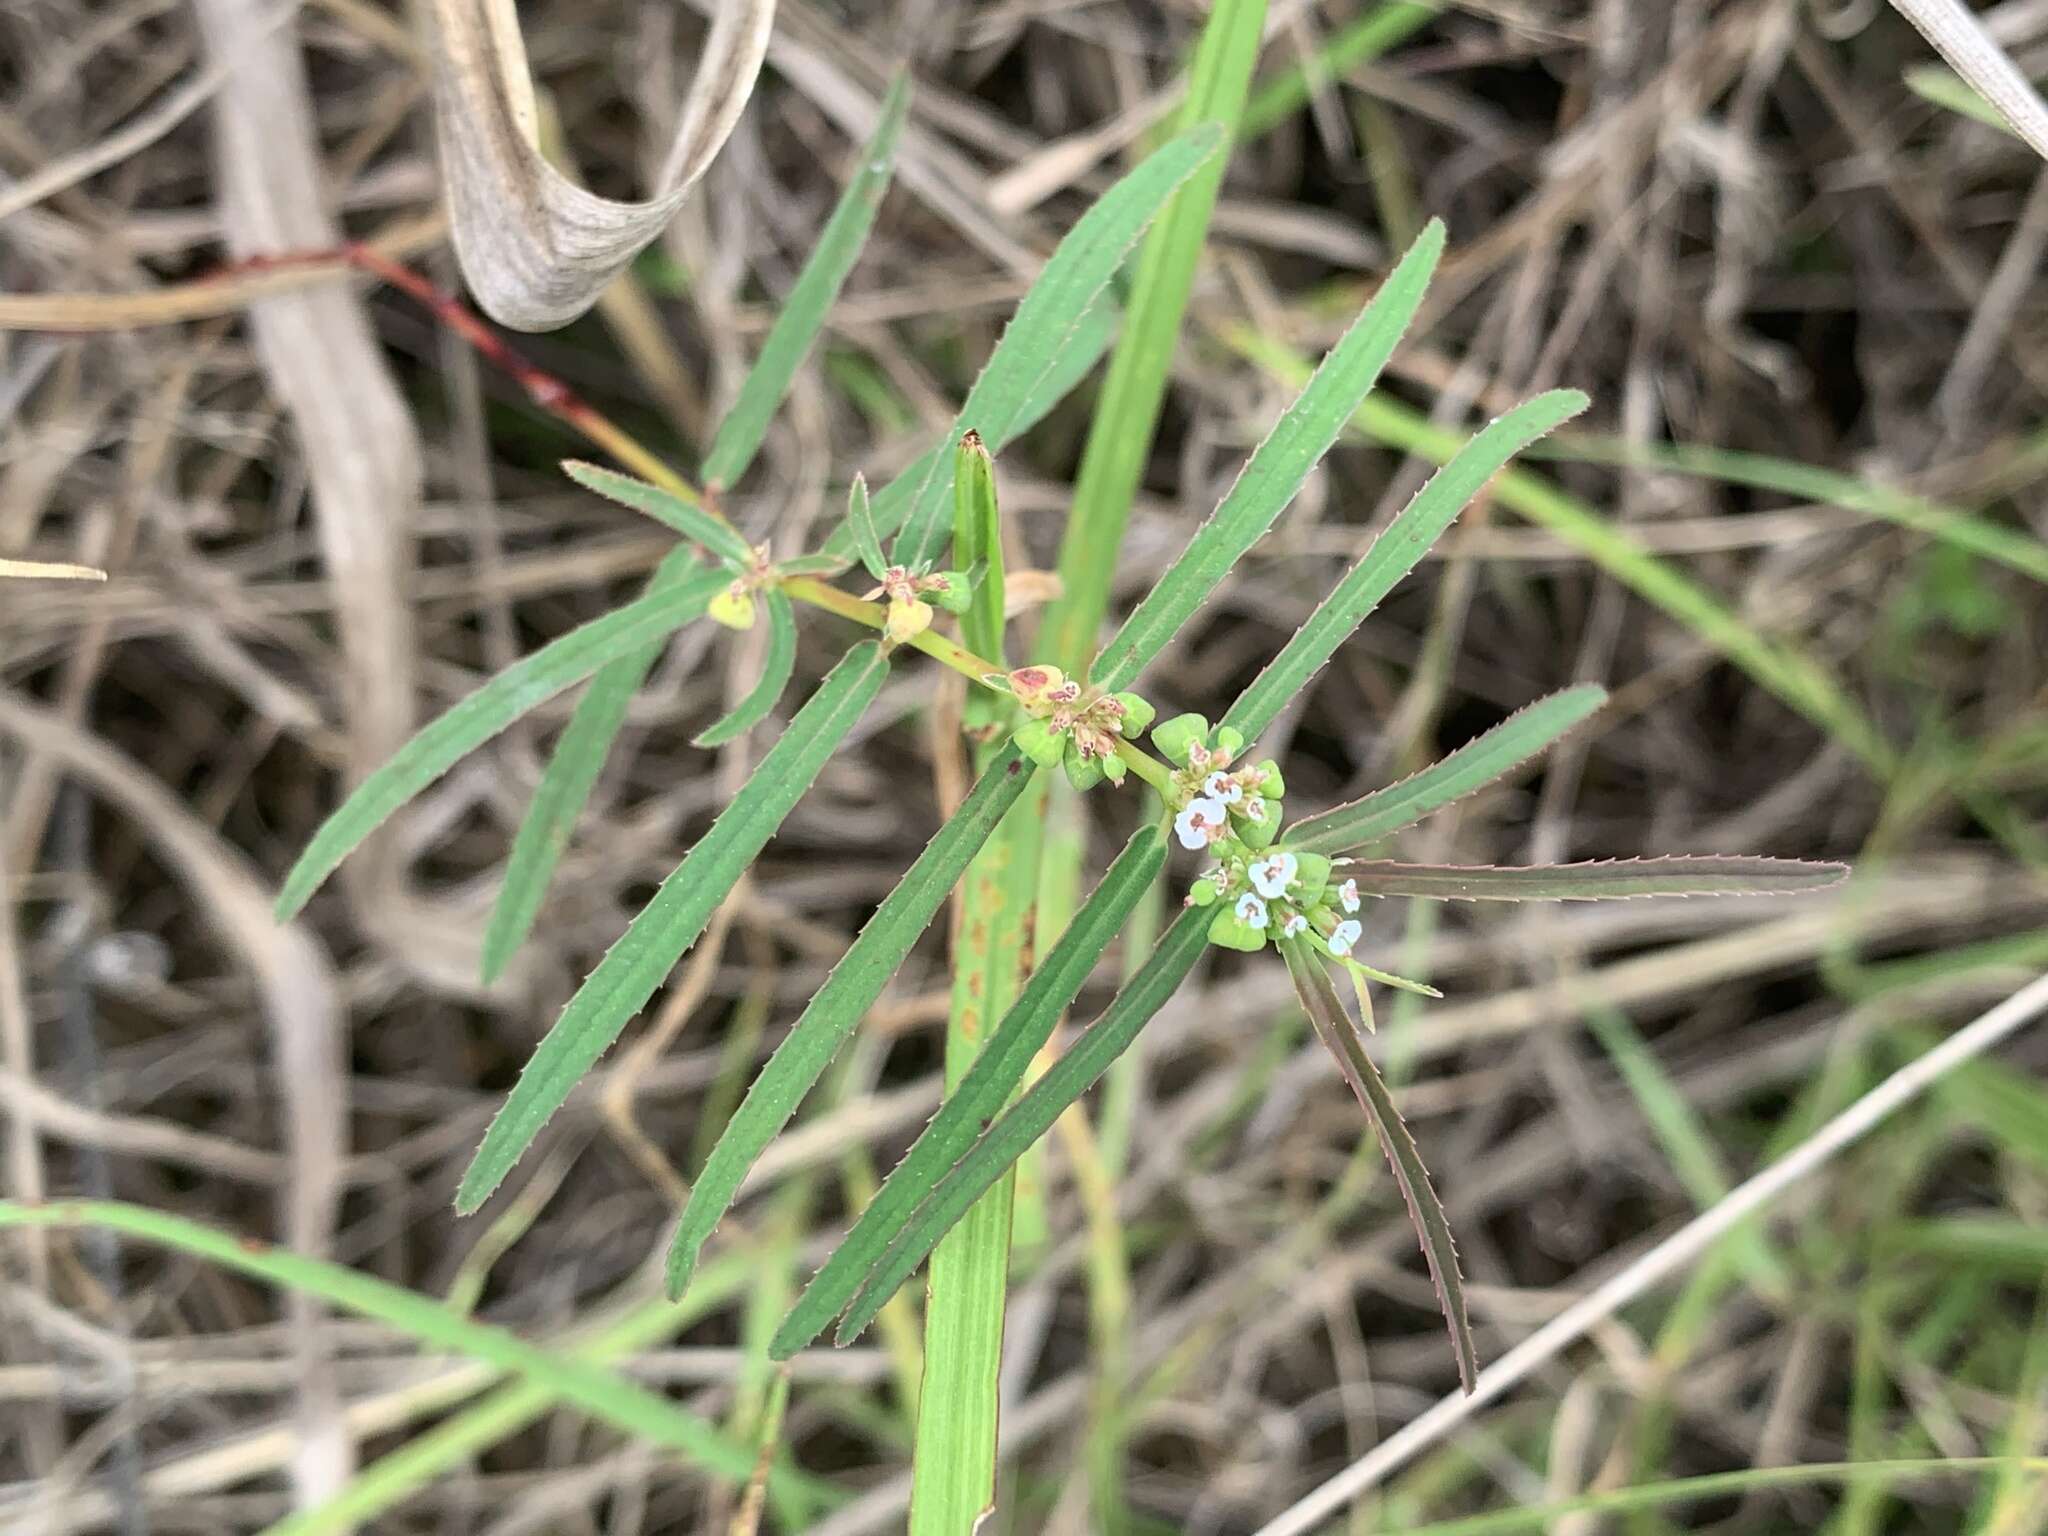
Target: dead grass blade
536	248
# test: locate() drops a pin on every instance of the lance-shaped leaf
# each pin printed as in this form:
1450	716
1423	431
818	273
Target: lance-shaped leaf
536	248
1396	552
605	1394
856	981
1325	1010
1047	320
1476	764
775	670
982	1093
523	686
891	504
686	518
804	308
1034	1113
1597	879
860	523
670	923
1277	468
573	767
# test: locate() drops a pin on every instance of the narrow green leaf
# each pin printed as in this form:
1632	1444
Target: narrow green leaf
692	522
1597	879
521	687
572	771
1325	1010
1396	552
860	519
1047	318
606	1395
856	981
670	923
978	541
891	504
803	311
2011	547
1126	415
982	1093
812	565
1277	468
1034	1113
1359	43
775	670
1473	766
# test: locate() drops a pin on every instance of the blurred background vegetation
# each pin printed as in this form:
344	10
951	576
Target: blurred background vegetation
1797	272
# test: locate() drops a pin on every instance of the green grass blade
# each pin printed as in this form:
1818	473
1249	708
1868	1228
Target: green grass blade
1126	416
856	981
1034	1113
810	297
891	504
1791	674
1597	879
521	687
953	1467
982	1093
692	522
860	523
1395	553
1277	468
604	1394
1391	22
978	540
670	923
776	668
572	771
1048	316
1478	763
2011	547
1326	1011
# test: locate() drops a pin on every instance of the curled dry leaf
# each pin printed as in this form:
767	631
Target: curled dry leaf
536	248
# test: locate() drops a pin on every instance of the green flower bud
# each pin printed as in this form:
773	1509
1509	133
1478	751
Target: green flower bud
951	590
1270	782
1084	773
1228	930
1114	768
1203	893
1178	734
1228	739
1040	742
1137	715
1313	877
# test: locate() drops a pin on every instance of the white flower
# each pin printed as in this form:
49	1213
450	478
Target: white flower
1272	875
1295	923
1221	786
1347	895
1254	810
1344	936
1200	822
1251	911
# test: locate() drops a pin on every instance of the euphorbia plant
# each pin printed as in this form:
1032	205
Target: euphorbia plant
931	548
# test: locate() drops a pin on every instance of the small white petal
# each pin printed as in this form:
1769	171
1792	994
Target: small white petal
1221	786
1272	876
1347	895
1251	911
1200	822
1344	938
1295	923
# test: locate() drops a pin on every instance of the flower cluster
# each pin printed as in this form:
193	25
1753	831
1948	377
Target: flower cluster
1076	727
734	607
909	614
1260	890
